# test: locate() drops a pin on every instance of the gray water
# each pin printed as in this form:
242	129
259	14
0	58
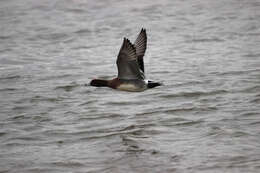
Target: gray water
204	119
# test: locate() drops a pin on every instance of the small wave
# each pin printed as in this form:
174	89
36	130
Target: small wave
173	121
149	113
67	87
189	123
255	123
82	47
12	62
53	36
76	10
218	18
6	50
176	119
5	37
10	77
83	31
18	117
87	102
247	114
194	94
15	144
252	55
139	126
99	116
19	108
41	118
2	134
188	83
257	100
194	109
103	136
132	145
25	138
254	34
239	72
219	131
8	89
171	111
68	164
124	103
47	99
253	89
51	77
239	134
206	40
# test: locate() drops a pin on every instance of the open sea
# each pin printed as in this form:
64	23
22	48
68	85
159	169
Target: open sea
205	118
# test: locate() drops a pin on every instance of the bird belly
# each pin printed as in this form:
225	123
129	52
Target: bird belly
130	87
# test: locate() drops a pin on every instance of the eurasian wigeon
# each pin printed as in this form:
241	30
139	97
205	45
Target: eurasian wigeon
130	67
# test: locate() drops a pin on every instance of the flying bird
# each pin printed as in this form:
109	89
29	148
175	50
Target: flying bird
130	65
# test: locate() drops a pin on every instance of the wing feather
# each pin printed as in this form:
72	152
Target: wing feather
127	64
140	45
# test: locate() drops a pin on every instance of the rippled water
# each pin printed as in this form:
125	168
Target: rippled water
204	119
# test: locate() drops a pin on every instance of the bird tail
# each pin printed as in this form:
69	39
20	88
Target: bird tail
152	84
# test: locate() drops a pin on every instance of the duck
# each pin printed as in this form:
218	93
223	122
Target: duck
130	65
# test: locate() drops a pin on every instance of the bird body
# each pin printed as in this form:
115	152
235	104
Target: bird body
130	67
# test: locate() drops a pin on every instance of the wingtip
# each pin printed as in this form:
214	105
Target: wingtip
126	39
143	32
132	45
127	42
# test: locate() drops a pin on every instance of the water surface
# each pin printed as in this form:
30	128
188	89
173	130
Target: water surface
204	119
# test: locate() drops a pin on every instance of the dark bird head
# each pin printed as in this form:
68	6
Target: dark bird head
99	83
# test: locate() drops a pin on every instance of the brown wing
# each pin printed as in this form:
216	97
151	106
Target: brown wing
140	45
127	64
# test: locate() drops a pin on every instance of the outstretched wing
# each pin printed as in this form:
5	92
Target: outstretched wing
140	45
127	64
